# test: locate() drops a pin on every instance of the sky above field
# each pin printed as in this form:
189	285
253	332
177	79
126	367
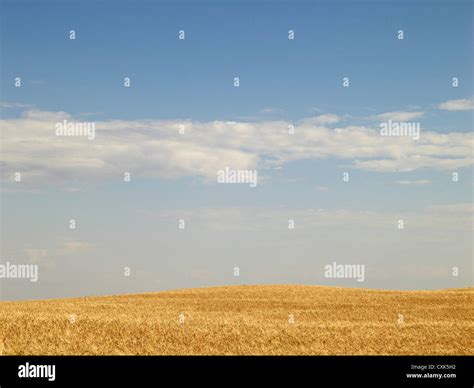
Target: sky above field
306	115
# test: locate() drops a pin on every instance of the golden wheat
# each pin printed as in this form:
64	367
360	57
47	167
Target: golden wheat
274	319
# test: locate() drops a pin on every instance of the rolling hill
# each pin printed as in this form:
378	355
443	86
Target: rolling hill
253	320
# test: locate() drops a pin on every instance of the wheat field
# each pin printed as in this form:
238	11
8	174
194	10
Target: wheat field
244	320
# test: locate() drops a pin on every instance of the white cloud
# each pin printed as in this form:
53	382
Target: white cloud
414	182
412	163
72	247
399	116
154	148
461	209
13	105
270	110
250	218
456	105
322	119
35	255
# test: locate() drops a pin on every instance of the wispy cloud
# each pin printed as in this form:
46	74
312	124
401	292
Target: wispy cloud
72	247
457	105
399	116
35	255
248	218
155	148
14	105
270	110
322	119
323	189
414	182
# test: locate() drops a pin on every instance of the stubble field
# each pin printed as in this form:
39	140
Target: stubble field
272	320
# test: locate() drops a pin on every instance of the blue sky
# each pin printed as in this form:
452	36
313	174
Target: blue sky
193	78
190	81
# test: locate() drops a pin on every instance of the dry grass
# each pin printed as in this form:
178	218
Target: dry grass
244	320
